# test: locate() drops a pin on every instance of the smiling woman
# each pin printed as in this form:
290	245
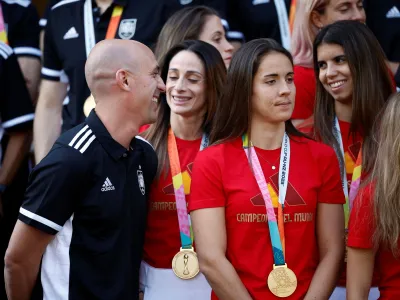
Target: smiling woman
194	73
353	86
311	17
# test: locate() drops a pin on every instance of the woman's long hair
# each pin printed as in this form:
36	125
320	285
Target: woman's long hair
215	75
234	111
372	86
304	31
185	24
386	176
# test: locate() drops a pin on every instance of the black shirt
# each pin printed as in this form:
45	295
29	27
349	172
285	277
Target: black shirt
92	194
64	45
383	18
255	18
21	22
16	109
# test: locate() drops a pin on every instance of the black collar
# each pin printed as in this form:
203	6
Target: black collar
122	3
112	147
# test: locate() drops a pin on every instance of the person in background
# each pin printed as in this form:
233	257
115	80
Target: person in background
383	18
194	23
194	73
352	88
72	29
20	30
253	19
16	112
81	227
263	194
374	226
311	17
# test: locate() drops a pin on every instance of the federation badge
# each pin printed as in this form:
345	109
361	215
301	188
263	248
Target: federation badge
141	180
127	29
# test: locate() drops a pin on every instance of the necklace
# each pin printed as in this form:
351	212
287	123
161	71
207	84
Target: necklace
271	164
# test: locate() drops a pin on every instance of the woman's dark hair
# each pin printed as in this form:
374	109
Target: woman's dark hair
372	87
185	24
215	76
234	111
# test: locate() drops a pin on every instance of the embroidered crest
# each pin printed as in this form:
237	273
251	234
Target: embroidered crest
127	29
141	180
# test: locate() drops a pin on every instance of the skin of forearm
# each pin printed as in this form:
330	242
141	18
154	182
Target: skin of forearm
325	277
47	128
17	148
30	68
19	282
224	280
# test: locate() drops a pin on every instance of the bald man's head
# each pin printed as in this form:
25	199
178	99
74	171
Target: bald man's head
109	56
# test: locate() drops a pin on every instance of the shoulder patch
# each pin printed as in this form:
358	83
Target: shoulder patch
5	50
82	140
144	140
24	3
64	2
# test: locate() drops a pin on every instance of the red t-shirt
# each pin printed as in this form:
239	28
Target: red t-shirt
361	230
162	240
304	80
351	146
222	178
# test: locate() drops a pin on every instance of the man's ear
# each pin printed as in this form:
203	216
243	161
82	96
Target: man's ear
316	19
122	78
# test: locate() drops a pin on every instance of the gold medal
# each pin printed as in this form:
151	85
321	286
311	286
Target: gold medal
282	281
185	264
88	105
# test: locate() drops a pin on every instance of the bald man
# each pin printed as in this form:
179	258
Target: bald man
81	228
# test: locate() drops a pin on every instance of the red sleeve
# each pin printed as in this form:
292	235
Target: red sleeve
304	81
331	190
206	190
361	222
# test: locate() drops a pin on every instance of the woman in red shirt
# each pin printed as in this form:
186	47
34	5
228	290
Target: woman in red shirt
193	23
374	226
194	73
311	17
352	88
266	201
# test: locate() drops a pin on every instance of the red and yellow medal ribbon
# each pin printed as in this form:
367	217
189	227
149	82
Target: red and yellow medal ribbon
3	32
114	22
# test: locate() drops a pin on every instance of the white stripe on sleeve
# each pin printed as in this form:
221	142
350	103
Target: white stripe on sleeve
40	219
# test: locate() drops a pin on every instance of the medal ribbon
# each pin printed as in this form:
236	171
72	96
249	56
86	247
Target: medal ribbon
185	226
283	23
276	227
3	32
90	39
292	15
356	178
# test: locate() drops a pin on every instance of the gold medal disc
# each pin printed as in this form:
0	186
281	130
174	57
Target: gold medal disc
88	105
282	281
185	264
